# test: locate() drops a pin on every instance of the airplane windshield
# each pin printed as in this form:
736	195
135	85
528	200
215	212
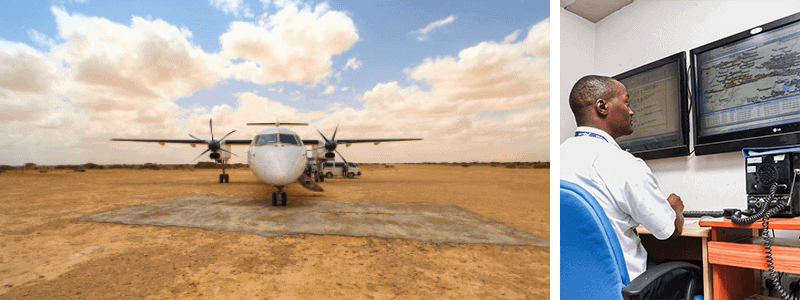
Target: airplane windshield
267	139
289	139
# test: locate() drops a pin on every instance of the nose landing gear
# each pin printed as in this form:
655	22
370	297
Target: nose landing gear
282	195
223	178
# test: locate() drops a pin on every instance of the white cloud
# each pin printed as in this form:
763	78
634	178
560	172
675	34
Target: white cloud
293	45
40	39
329	90
25	69
233	7
511	37
486	77
423	32
344	89
352	63
150	59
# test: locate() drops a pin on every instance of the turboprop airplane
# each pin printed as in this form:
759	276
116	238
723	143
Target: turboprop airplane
277	155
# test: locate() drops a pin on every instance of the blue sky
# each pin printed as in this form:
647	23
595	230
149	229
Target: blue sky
385	64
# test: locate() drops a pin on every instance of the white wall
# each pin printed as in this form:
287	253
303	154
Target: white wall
645	31
577	60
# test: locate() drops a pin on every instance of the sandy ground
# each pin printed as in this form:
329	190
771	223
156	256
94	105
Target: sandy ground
46	253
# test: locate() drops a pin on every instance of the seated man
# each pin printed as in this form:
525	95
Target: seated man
623	184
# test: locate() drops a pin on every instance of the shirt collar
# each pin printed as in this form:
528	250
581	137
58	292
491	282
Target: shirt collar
604	134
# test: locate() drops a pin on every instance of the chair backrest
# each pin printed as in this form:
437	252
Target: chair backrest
592	264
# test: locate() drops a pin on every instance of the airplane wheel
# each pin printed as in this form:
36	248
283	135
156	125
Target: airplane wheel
316	179
283	199
274	199
221	178
321	179
350	175
329	175
227	178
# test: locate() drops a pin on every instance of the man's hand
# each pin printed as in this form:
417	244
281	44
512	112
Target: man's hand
675	202
677	205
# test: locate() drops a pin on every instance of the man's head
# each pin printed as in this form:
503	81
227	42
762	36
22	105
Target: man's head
602	102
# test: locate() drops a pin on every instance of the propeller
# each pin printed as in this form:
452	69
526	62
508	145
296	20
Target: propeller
330	145
213	145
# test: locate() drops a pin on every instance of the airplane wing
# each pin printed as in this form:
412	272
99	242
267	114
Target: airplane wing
355	141
183	141
376	141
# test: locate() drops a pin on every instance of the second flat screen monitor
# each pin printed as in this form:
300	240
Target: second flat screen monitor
659	102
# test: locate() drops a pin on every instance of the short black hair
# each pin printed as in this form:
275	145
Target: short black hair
587	90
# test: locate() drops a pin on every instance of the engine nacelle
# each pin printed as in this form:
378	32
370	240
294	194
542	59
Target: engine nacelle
318	154
222	155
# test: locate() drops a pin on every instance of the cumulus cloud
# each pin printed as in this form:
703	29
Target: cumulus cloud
25	69
295	44
234	7
113	66
489	76
352	63
423	32
329	90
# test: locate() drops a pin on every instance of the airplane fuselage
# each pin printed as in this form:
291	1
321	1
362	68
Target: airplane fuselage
277	156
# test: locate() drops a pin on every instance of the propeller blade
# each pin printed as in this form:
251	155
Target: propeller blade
194	137
229	133
323	136
340	155
201	154
333	138
212	129
234	154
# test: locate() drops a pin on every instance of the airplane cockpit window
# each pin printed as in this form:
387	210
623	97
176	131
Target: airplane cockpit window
289	139
267	139
351	165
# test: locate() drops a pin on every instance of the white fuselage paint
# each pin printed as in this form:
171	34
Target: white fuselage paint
277	164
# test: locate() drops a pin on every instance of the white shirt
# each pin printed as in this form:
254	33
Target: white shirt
625	188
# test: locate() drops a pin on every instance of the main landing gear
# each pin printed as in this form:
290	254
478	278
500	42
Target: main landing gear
282	195
223	178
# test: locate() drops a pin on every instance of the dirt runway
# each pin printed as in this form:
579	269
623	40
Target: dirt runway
46	252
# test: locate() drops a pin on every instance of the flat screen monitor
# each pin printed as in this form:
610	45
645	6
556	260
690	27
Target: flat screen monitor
747	89
659	100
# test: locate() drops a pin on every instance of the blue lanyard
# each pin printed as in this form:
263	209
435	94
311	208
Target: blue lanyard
591	134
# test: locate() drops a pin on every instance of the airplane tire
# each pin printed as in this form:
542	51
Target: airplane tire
274	199
316	179
227	178
321	179
221	178
350	175
283	199
329	175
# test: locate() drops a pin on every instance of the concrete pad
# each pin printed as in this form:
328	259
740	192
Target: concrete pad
440	223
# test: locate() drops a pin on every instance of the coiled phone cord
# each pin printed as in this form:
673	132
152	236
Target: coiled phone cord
765	214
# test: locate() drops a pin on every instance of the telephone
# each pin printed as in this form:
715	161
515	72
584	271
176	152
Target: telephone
771	178
767	166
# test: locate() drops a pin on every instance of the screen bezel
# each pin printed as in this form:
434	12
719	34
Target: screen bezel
683	148
785	134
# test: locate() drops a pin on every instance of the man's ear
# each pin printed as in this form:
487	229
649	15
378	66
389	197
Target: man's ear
600	106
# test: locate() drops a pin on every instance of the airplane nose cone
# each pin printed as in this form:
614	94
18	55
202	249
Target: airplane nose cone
279	166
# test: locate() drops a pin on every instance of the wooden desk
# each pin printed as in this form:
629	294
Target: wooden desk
691	245
733	254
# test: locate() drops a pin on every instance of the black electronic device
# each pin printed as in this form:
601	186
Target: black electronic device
746	89
659	100
762	170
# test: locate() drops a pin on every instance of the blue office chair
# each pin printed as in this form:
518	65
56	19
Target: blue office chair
592	264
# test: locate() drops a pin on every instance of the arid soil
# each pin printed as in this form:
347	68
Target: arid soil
45	253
